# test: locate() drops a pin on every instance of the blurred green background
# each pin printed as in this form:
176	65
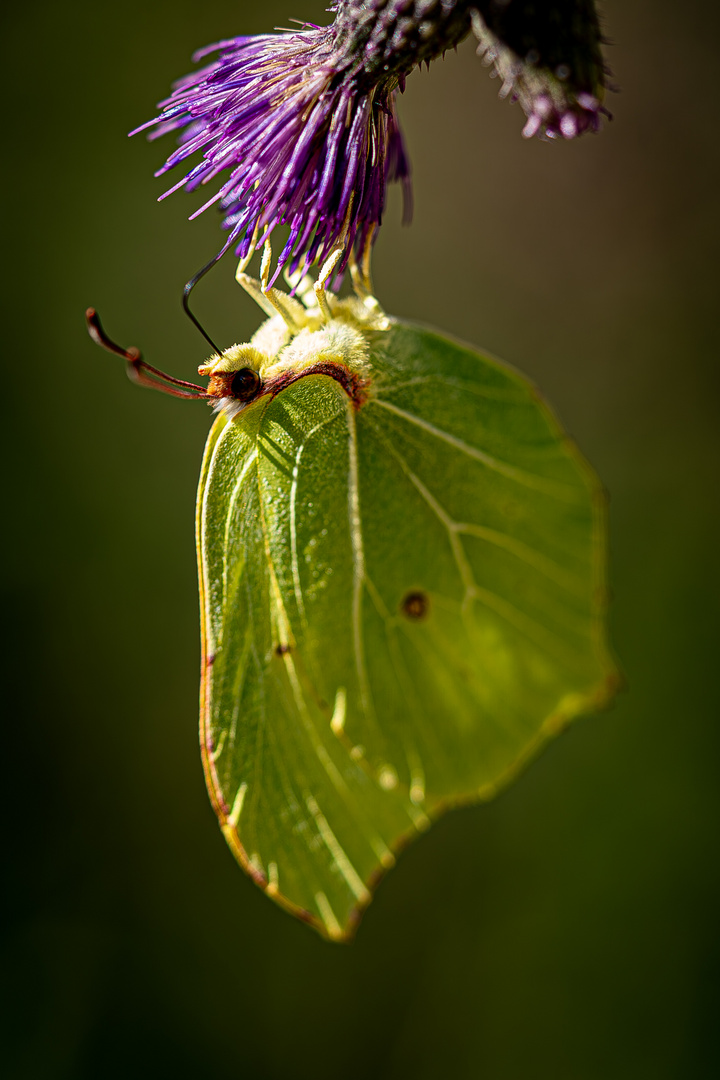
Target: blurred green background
569	930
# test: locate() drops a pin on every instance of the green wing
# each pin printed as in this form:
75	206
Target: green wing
400	605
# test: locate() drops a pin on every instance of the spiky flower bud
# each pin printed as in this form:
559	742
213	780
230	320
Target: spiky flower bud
548	57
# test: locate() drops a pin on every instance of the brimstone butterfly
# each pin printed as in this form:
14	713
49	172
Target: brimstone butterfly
401	560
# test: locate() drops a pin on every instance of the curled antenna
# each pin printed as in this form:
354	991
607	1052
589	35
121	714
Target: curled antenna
138	370
186	297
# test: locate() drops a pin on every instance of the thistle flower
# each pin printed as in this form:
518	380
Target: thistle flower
301	126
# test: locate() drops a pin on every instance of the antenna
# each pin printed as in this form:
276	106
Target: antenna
186	296
140	371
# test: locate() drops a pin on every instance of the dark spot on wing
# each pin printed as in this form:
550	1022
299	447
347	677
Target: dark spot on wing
415	605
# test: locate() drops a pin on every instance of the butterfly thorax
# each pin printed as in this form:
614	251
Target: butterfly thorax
298	342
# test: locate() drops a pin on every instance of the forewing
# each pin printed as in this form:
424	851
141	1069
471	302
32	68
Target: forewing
401	603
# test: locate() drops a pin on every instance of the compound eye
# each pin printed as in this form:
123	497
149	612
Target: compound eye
244	384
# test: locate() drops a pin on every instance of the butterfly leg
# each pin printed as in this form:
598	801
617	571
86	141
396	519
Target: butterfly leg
328	267
303	286
326	272
272	301
291	310
362	281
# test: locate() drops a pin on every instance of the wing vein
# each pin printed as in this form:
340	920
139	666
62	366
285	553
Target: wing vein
251	458
358	555
556	489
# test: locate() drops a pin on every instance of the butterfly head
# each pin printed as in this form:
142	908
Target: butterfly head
235	377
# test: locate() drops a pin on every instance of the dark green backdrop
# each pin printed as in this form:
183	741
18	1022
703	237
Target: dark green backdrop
570	929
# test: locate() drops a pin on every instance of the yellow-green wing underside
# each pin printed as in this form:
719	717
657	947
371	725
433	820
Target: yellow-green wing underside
400	604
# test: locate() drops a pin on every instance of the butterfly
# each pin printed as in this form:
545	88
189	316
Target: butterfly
402	587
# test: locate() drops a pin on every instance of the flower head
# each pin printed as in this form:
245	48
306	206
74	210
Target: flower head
292	139
301	129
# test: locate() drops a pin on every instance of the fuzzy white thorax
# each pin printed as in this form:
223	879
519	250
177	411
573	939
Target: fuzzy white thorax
299	336
275	343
